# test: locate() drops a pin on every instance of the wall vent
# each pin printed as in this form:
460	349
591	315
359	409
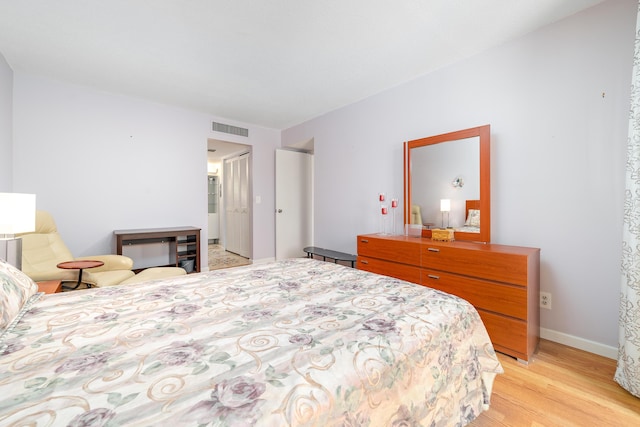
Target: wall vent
233	130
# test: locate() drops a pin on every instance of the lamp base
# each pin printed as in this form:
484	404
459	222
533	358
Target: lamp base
11	251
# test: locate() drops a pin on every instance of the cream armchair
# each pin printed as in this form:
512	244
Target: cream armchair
416	215
43	249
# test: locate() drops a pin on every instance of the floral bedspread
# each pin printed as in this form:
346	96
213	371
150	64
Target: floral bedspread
296	342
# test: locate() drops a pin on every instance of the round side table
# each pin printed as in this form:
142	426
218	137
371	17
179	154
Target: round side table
80	265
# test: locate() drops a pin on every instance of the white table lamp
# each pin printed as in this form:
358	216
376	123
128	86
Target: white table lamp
17	215
445	206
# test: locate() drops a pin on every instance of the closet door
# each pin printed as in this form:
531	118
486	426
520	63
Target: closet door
237	207
244	207
213	216
230	207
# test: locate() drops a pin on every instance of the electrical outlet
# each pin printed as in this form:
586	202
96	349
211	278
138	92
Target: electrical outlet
545	300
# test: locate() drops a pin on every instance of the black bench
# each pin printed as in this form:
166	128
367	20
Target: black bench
327	253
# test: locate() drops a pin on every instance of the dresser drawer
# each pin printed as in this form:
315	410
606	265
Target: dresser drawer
491	265
502	282
390	249
399	271
496	297
507	335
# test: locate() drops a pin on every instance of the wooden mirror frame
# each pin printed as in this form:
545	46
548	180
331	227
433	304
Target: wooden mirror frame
484	134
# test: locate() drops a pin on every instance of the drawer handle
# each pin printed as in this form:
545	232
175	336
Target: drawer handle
433	249
364	262
364	240
433	276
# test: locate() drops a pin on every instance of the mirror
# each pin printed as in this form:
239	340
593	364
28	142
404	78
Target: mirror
450	171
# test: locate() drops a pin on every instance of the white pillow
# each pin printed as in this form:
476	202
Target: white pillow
473	220
15	290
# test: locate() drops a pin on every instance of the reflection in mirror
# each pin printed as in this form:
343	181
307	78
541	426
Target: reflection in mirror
448	171
447	183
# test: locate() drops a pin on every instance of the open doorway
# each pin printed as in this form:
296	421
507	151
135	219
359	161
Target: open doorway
228	209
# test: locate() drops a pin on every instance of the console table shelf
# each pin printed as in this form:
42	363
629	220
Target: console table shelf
184	240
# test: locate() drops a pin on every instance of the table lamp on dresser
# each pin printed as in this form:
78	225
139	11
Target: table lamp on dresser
445	206
17	215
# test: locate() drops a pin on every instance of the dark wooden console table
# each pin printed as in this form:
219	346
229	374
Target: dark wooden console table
185	239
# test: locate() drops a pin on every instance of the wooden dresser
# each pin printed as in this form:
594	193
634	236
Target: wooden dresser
502	282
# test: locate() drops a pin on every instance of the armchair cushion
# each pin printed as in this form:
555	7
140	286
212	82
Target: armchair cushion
416	215
106	278
111	262
116	269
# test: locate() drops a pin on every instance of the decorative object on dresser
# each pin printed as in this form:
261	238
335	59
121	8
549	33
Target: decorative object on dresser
443	234
383	211
445	207
394	208
502	282
414	230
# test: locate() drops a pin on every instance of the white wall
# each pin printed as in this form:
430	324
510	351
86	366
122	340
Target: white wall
101	162
558	153
6	128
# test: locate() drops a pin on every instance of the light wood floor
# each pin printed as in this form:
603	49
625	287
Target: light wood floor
562	386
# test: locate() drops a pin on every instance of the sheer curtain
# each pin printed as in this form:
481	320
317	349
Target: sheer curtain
628	371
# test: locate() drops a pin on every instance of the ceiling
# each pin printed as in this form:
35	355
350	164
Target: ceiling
219	150
273	63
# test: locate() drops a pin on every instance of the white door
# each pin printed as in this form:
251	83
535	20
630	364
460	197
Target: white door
230	241
244	223
213	223
294	203
237	210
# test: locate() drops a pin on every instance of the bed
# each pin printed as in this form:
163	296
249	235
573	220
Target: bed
289	343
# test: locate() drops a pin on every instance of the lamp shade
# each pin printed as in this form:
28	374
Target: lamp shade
17	213
445	205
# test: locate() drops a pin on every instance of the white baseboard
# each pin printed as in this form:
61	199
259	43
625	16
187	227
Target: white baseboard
580	343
